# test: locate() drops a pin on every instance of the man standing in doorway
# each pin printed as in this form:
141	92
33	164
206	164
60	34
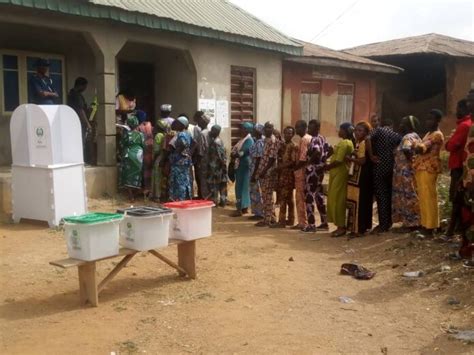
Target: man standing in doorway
41	90
76	101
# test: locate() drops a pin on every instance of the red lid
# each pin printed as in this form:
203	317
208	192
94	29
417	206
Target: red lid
189	204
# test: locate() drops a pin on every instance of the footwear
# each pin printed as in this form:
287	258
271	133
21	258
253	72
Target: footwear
468	264
297	227
236	214
378	230
290	223
308	229
338	233
277	225
261	224
255	218
222	204
323	227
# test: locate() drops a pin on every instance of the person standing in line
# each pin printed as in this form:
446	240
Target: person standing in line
383	141
286	180
256	153
455	146
314	175
338	177
165	113
146	128
405	204
240	156
132	144
180	161
125	105
41	88
427	166
217	168
159	179
201	136
265	174
359	189
300	161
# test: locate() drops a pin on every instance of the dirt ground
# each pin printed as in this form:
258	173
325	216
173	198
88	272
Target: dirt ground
248	297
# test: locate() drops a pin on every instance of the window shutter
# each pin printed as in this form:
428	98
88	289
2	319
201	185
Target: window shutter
242	91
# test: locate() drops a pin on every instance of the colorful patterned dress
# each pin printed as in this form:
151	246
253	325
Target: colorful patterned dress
147	130
256	151
131	172
286	184
405	204
467	248
267	178
217	171
180	163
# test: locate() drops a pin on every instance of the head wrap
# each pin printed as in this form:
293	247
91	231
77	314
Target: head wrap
132	122
247	126
141	115
366	125
163	125
205	119
259	127
216	126
166	108
412	121
184	121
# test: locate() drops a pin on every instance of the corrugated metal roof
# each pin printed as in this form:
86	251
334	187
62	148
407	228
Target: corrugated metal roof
318	55
216	19
432	43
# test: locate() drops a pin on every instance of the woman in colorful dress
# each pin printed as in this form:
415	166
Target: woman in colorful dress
241	159
159	181
405	204
427	165
338	177
132	144
216	168
180	161
146	129
256	154
360	194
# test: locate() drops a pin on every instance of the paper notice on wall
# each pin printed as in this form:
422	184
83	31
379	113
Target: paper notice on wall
208	106
222	113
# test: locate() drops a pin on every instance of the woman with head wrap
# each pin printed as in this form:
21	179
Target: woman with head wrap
241	158
180	161
405	204
159	179
359	188
427	165
146	129
256	154
132	144
338	177
216	178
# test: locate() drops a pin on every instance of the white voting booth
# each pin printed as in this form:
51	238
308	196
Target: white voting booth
48	181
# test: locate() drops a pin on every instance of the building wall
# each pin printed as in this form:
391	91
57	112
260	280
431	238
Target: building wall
202	72
364	93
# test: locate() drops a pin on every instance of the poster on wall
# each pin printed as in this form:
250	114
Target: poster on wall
222	113
208	106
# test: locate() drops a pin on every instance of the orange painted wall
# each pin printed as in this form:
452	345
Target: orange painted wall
364	93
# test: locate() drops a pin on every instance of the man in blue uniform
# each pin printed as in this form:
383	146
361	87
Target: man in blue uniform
41	86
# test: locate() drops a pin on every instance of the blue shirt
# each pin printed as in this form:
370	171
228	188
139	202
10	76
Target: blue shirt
38	85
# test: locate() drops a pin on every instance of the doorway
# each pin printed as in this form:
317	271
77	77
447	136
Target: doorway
139	78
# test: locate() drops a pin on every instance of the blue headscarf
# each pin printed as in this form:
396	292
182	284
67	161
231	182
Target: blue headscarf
247	126
141	115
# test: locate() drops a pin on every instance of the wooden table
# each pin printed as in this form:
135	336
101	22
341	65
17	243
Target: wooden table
89	289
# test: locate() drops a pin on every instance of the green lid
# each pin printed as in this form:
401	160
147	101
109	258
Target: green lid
95	217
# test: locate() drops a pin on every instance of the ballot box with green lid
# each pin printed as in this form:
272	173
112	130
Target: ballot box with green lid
92	236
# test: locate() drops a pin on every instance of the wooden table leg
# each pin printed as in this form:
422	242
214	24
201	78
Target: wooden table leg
187	258
88	284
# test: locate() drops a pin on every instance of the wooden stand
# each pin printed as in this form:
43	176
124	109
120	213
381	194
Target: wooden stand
89	289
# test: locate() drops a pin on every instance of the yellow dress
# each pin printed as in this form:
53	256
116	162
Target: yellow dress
427	166
338	177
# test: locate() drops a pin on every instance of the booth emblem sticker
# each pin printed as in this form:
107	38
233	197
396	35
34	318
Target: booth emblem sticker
40	141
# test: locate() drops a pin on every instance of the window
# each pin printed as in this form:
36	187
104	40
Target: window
16	68
242	92
309	100
345	103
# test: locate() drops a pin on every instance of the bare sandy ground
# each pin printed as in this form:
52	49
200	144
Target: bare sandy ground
248	298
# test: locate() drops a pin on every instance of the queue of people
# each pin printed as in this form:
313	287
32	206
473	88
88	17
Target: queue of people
397	169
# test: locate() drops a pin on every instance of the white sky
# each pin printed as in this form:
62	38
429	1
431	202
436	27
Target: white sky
367	21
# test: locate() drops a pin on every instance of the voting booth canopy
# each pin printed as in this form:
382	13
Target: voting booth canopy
45	135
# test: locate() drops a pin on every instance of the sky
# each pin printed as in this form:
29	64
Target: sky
363	21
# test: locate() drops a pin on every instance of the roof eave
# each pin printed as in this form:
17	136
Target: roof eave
327	62
89	10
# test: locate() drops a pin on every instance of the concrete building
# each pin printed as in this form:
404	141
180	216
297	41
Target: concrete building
438	72
331	86
175	52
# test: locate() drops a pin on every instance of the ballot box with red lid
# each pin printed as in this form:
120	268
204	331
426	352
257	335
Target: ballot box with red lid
192	219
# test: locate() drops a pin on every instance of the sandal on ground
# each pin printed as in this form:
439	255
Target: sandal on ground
323	227
297	227
469	264
255	218
236	214
338	234
261	224
308	229
353	235
277	225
